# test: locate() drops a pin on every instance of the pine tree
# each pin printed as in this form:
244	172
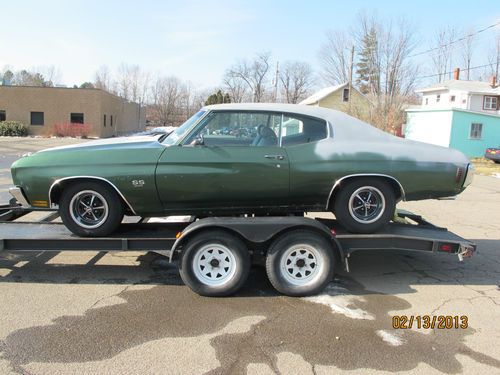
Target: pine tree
218	98
368	76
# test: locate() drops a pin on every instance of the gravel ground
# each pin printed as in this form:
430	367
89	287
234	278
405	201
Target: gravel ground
128	313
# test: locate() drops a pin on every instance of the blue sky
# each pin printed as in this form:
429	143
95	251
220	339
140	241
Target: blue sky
198	40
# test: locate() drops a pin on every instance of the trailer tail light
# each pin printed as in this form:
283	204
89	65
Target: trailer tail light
448	247
445	247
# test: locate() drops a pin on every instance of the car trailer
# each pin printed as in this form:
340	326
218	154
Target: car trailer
215	253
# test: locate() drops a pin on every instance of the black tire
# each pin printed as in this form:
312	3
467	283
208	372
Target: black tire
304	243
111	200
356	222
194	274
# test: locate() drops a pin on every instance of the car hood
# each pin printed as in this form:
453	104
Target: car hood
112	143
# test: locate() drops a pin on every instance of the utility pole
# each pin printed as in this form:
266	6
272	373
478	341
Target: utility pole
351	69
275	94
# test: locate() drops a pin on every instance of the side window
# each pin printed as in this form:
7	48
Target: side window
298	130
239	129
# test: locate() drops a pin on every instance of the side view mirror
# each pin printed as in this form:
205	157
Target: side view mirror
198	141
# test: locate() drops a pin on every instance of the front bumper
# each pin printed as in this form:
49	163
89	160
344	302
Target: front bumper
18	194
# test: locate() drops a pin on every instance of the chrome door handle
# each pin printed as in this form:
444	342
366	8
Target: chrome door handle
279	157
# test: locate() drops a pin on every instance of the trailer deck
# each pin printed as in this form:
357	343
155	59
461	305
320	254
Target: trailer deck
47	235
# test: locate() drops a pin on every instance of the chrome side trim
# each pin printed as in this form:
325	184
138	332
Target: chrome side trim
90	177
17	193
403	195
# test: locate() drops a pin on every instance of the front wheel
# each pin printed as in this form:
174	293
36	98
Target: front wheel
90	209
365	205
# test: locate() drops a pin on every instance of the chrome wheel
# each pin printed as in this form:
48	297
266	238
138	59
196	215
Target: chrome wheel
88	209
301	264
214	264
366	204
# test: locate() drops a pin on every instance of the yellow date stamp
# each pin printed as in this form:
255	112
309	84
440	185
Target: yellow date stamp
430	321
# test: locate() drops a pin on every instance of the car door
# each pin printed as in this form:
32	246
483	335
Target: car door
231	160
305	140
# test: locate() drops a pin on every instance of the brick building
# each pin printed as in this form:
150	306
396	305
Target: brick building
47	110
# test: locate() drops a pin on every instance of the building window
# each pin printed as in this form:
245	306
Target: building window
111	120
37	118
490	102
452	98
104	122
476	130
438	98
76	118
3	116
345	95
426	101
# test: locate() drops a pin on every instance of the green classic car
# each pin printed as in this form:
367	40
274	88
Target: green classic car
234	159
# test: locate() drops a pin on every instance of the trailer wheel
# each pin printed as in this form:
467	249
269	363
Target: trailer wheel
214	263
300	263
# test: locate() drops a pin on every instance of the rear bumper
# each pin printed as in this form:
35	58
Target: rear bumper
18	194
469	175
495	157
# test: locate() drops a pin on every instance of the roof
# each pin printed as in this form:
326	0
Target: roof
344	124
479	87
323	93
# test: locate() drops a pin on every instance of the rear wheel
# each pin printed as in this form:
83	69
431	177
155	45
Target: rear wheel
90	209
215	264
365	205
300	263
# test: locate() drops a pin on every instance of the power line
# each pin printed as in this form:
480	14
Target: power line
456	40
461	69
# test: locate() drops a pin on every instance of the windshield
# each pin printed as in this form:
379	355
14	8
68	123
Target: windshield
182	130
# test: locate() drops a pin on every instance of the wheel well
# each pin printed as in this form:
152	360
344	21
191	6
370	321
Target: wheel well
393	183
57	189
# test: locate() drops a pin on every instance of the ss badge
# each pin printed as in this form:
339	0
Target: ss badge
138	183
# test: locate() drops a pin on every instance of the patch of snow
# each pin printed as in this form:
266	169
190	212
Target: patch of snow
390	338
341	302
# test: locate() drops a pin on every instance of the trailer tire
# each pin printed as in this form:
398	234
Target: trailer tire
300	263
106	209
214	263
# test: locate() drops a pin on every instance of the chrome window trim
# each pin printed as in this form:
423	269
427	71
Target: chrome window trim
89	177
403	194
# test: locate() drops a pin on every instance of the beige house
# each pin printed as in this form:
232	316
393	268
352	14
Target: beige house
54	110
344	97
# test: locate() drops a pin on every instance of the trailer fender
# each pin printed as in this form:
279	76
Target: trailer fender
255	229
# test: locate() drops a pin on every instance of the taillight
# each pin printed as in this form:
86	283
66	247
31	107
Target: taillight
445	247
459	175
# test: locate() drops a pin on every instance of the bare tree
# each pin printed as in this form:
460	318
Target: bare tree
102	78
167	94
335	57
466	52
385	49
296	79
236	86
442	57
254	73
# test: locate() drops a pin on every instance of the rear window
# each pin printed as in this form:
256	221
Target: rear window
298	130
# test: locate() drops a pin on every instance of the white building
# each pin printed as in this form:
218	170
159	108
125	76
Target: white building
460	114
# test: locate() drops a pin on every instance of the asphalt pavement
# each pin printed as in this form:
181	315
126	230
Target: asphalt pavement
129	313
